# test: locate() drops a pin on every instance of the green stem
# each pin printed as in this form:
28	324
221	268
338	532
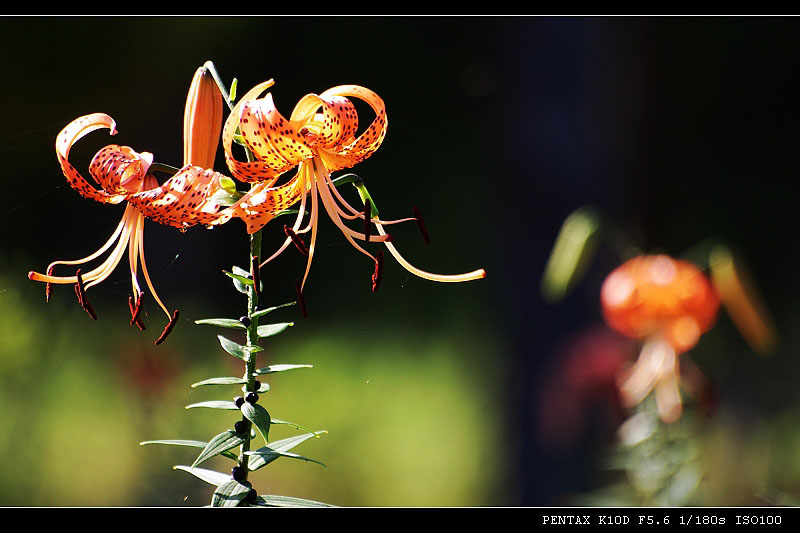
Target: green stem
209	66
252	342
252	296
163	167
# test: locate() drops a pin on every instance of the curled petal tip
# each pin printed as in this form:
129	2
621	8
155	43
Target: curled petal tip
32	275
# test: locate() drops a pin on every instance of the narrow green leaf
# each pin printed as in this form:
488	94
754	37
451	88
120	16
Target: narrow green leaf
209	476
271	309
217	404
236	350
277	449
230	493
190	443
221	322
240	279
292	424
278	368
270	455
259	417
268	330
241	274
287	501
219	381
175	442
221	443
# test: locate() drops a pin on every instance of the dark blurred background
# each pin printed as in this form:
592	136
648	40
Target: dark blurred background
678	129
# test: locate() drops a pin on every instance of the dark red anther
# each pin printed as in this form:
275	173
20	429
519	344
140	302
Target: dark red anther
48	288
135	310
376	276
168	328
298	242
309	137
80	292
255	273
367	219
421	223
300	300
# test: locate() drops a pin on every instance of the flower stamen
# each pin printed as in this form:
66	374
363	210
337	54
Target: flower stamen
168	328
376	276
80	292
421	224
444	278
48	288
300	300
296	240
135	311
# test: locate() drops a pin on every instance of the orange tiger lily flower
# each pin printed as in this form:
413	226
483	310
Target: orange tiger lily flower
124	175
318	138
668	304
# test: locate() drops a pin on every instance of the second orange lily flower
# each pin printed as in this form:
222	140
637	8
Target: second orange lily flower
318	138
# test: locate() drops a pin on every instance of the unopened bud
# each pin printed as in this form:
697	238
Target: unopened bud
202	120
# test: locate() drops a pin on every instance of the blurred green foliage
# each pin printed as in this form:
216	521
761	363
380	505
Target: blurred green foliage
700	460
413	419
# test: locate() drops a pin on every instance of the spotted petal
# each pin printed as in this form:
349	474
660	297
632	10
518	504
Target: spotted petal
271	137
366	143
262	202
247	171
120	170
183	200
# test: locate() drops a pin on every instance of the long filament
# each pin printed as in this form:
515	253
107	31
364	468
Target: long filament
325	196
313	222
146	274
133	255
444	278
303	174
334	212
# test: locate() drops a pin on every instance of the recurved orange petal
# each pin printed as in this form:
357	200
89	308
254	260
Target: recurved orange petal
247	171
69	136
373	136
271	138
120	170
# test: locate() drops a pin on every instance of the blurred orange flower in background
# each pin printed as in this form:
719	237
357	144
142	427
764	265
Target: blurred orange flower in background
668	304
